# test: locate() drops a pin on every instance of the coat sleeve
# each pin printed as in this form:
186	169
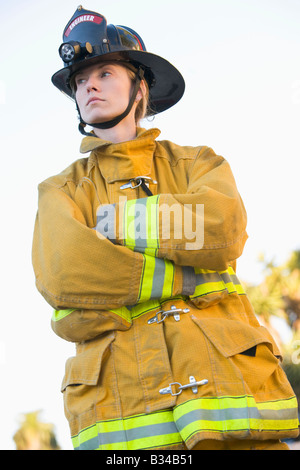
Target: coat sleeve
77	268
204	227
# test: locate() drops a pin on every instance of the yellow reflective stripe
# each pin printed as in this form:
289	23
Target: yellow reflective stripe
161	440
241	413
147	278
271	425
226	402
211	414
142	443
208	282
168	280
286	404
87	438
143	308
60	314
157	279
208	403
239	289
169	427
123	312
152	225
145	420
208	288
141	225
129	218
228	281
129	313
157	283
136	432
230	270
235	284
280	414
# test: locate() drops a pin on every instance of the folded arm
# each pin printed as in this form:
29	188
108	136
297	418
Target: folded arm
89	280
76	267
205	227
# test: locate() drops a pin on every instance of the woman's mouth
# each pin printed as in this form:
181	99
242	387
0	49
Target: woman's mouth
93	99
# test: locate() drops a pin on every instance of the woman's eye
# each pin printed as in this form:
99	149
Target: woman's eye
79	81
105	73
102	74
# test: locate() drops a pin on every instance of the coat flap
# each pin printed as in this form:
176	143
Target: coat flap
232	337
84	368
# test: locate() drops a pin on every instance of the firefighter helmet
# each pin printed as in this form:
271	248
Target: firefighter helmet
87	38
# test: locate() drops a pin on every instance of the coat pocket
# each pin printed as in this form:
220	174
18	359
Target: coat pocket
243	357
82	374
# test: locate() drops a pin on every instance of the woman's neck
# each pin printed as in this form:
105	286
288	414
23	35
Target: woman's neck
122	132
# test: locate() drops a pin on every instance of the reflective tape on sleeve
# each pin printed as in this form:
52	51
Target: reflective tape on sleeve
157	279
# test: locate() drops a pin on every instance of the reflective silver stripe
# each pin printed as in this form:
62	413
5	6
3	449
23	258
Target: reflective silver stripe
242	414
188	280
140	224
222	415
226	277
158	279
91	444
203	278
212	415
152	434
234	414
138	433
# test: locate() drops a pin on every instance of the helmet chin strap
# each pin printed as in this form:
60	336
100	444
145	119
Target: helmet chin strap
113	122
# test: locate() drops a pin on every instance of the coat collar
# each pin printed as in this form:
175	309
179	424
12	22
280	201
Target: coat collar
124	160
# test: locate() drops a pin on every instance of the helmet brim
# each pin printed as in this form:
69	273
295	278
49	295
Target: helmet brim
166	84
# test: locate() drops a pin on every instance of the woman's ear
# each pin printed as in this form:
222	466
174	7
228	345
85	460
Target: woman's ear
142	91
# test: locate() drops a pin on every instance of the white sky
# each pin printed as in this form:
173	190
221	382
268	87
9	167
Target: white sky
241	63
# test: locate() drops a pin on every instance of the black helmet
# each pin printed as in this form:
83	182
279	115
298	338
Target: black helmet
87	38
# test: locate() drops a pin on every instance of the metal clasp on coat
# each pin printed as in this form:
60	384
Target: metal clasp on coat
137	181
193	385
163	314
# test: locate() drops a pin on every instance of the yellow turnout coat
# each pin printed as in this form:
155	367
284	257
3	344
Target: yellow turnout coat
168	348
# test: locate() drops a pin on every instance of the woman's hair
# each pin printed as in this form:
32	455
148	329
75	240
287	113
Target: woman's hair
143	109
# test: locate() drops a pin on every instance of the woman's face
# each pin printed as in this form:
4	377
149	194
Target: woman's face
102	92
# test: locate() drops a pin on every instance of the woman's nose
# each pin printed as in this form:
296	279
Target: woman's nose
92	84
